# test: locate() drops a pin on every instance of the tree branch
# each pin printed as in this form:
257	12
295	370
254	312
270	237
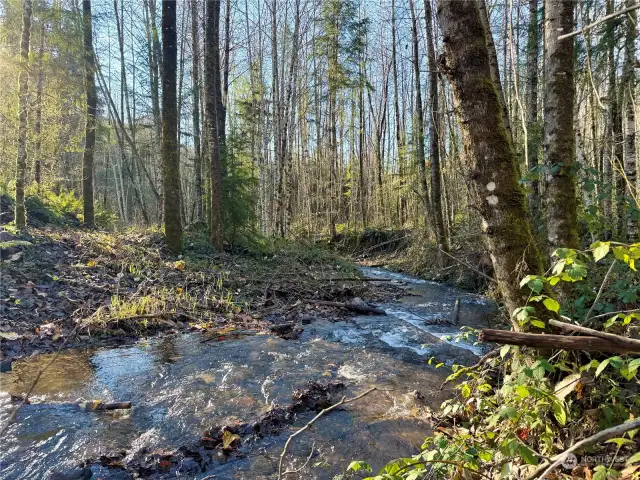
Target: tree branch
606	18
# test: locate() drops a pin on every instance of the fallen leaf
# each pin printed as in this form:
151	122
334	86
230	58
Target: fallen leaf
91	263
15	257
228	439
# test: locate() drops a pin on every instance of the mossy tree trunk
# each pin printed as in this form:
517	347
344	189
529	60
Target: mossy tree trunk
90	126
419	120
212	94
559	137
170	159
491	166
23	94
434	135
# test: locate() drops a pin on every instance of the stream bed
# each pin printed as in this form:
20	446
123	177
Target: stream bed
180	386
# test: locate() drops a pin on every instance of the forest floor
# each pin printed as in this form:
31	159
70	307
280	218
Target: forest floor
76	287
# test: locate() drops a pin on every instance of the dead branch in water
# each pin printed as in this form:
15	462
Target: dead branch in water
343	401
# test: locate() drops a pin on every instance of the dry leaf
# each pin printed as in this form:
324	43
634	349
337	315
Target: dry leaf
228	439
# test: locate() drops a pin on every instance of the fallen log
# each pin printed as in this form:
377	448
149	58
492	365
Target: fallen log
356	305
595	333
558	342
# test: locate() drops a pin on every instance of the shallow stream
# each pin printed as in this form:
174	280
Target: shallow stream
180	386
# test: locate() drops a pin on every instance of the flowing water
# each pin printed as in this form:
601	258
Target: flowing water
180	386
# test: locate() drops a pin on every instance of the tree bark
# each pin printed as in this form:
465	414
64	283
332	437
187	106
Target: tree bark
90	127
23	94
195	77
38	124
490	160
212	93
559	137
434	135
629	89
419	119
559	342
533	128
494	66
170	160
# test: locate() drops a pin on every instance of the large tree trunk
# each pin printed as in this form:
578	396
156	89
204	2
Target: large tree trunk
170	160
490	160
419	119
494	66
396	109
559	139
38	125
23	94
212	93
195	77
90	127
629	89
434	135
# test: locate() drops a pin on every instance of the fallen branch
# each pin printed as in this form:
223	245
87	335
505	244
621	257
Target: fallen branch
491	279
543	470
598	22
595	333
559	342
343	401
358	307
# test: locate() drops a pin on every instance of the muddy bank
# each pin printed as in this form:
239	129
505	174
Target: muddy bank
84	288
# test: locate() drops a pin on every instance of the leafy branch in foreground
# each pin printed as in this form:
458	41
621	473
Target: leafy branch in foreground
519	415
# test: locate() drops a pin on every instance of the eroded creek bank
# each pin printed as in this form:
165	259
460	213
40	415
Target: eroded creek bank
181	387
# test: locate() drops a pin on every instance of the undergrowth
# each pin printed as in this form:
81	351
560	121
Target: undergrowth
516	413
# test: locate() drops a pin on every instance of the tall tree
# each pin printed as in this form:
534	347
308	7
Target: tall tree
23	93
399	128
212	93
90	126
434	134
559	136
419	118
629	95
170	159
533	133
491	168
195	85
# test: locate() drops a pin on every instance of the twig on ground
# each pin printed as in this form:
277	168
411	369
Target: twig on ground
543	470
343	401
